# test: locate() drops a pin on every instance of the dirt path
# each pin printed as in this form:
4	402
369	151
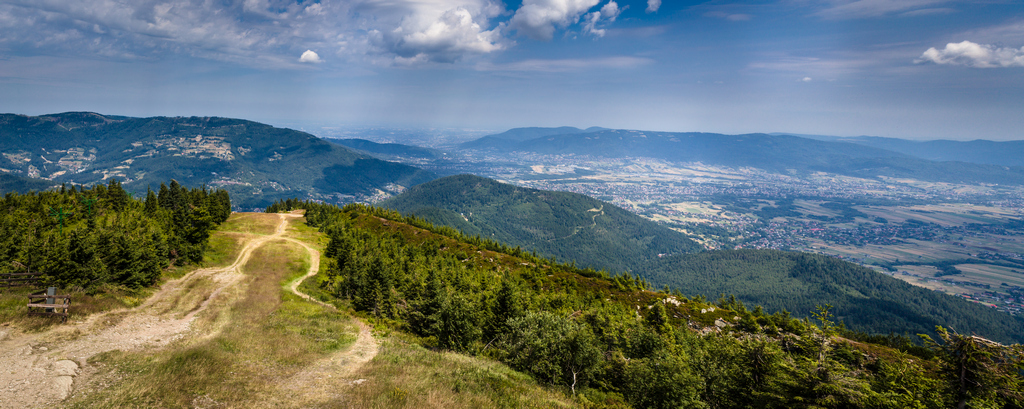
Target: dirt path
39	370
324	379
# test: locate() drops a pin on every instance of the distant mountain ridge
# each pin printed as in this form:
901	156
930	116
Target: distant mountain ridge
778	152
524	134
256	163
387	149
1005	153
566	225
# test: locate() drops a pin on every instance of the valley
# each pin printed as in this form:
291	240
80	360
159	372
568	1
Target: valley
876	222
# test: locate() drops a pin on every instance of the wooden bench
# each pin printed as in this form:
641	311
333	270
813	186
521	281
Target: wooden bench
45	304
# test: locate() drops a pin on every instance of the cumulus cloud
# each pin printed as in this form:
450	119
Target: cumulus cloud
538	19
309	56
446	39
608	14
974	55
653	6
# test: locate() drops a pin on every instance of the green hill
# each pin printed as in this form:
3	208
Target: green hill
568	226
256	163
863	299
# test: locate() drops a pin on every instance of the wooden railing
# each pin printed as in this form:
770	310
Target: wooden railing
51	304
9	280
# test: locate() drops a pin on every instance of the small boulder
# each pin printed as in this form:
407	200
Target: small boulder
65	368
62	386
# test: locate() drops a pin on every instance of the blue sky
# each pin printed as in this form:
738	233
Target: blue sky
921	69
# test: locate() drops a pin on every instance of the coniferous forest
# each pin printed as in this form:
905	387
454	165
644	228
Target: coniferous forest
88	237
610	341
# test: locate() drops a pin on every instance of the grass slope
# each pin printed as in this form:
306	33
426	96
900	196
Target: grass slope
256	163
864	299
568	226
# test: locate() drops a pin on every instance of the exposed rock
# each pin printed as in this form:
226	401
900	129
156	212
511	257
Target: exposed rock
65	368
62	386
720	323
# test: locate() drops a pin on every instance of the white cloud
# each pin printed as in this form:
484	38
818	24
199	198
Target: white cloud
446	39
309	56
653	6
974	55
270	33
608	13
807	79
538	19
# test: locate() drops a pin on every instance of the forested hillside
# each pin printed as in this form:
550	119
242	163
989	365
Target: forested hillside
257	163
15	183
610	342
86	238
569	226
863	299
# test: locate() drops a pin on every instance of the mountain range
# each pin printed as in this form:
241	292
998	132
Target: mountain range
1005	153
867	158
256	163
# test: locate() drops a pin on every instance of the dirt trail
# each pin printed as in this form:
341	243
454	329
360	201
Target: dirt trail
323	380
39	370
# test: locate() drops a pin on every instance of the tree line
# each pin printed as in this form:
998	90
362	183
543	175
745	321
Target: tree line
88	237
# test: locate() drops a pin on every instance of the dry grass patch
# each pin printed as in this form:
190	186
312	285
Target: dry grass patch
270	337
251	223
409	376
